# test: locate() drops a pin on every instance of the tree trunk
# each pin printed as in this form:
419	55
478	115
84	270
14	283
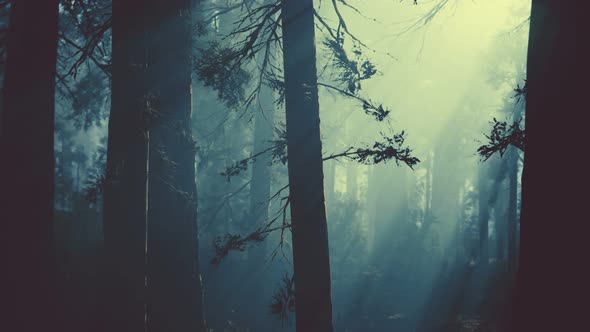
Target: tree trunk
150	194
512	209
261	170
428	189
125	192
553	239
497	202
351	181
27	184
484	214
174	287
257	291
329	179
308	216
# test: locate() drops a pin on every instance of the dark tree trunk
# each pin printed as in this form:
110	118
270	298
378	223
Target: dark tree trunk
174	279
484	214
497	202
150	196
174	287
500	226
126	188
512	209
553	241
27	184
308	216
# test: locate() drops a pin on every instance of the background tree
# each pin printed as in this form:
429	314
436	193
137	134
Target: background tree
173	271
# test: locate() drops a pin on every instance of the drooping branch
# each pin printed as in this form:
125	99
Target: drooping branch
342	22
378	111
236	242
350	73
503	134
91	26
391	148
222	67
84	54
423	20
501	137
277	148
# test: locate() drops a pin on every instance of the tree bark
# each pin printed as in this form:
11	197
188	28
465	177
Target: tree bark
308	216
512	209
126	188
150	195
484	214
497	202
174	287
501	224
27	167
550	273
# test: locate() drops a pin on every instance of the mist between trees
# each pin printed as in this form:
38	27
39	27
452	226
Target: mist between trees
281	165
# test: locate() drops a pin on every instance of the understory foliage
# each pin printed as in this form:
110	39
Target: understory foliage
283	301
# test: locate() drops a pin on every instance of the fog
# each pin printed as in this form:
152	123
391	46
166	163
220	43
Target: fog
405	242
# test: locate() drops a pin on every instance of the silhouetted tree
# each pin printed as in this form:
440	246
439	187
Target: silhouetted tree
27	184
512	215
125	190
484	214
311	262
174	287
150	195
551	224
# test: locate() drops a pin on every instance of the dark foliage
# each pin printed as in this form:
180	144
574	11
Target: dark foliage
223	245
235	242
391	148
520	93
501	137
377	111
88	100
278	151
94	187
283	301
350	72
219	68
86	27
278	85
